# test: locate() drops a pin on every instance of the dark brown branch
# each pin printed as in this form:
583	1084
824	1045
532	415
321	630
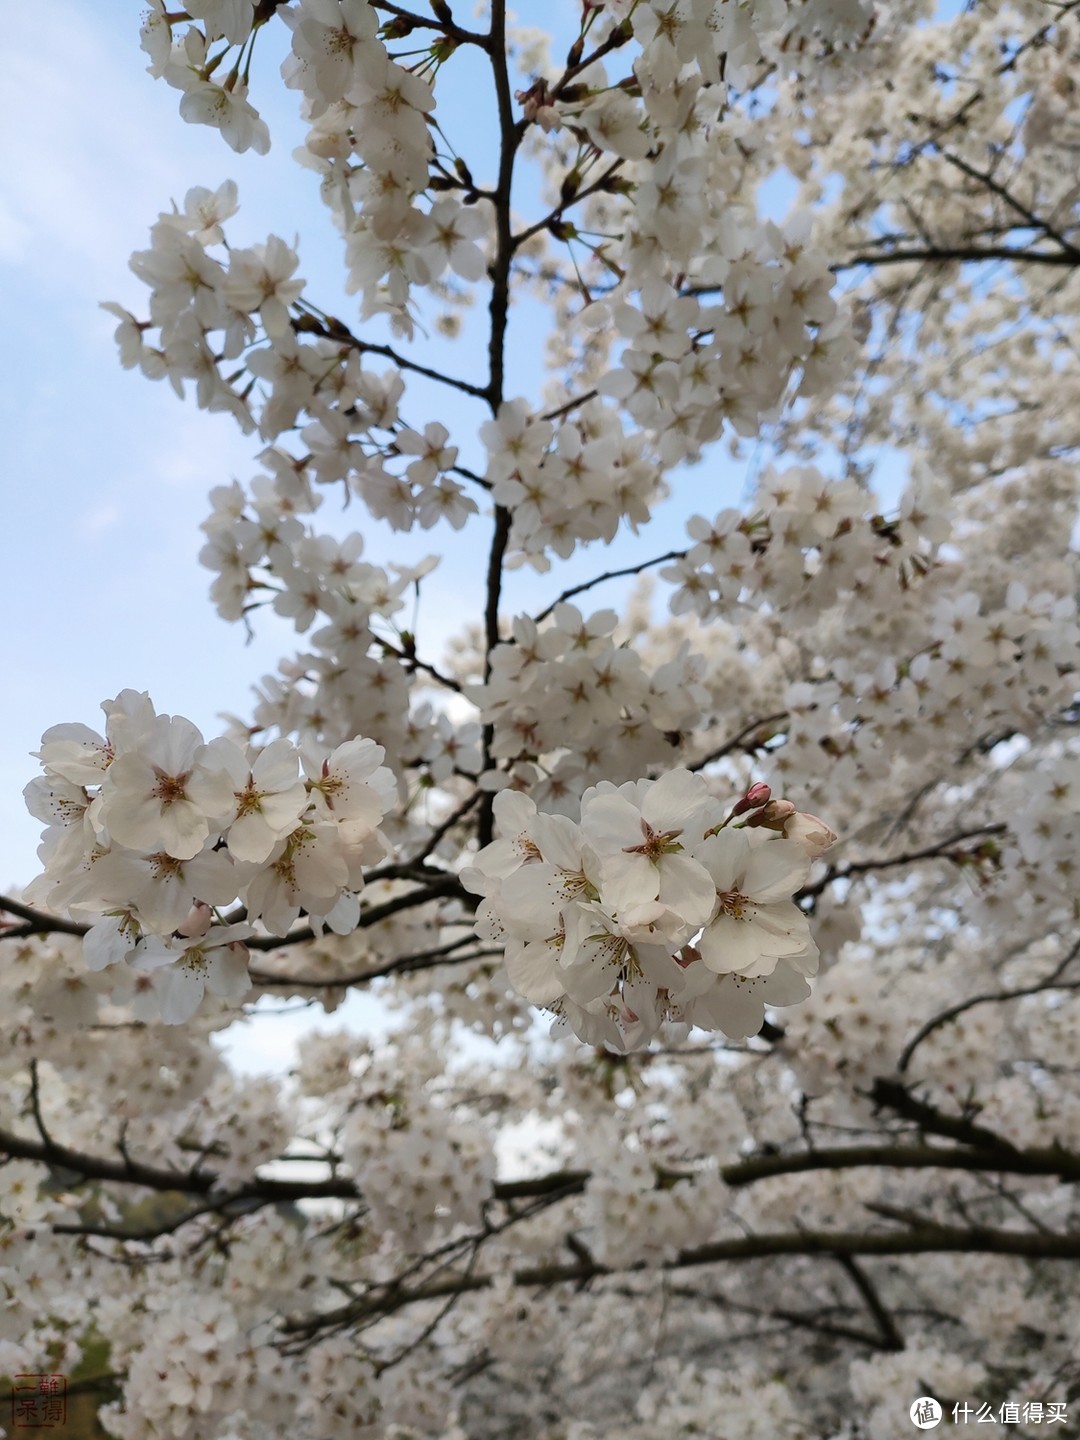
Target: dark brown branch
445	826
607	575
404	965
433	890
1029	217
940	850
927	1239
992	997
551	220
891	1339
893	1095
946	254
570	405
330	328
445	23
412	663
812	1320
38	922
988	1155
738	742
499	313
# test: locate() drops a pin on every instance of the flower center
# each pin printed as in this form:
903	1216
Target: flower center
170	788
734	904
655	843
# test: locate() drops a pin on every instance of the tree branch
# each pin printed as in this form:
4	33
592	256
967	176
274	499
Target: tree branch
991	997
939	850
891	1339
737	741
499	312
927	1239
943	254
607	575
330	328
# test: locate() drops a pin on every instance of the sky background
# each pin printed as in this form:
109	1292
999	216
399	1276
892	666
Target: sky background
106	473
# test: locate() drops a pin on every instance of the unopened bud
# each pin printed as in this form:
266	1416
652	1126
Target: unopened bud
758	795
772	815
198	922
812	834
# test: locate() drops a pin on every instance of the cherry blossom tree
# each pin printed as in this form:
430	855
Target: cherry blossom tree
694	1113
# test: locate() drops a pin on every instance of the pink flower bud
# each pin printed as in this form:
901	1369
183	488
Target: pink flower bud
759	794
773	815
812	834
198	922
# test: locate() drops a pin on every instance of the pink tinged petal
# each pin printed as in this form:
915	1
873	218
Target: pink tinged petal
129	719
198	921
513	812
212	788
559	840
152	953
804	962
810	833
164	904
358	757
467	260
488	923
275	318
592	1027
361	806
319	865
224	754
360	844
659	967
175	743
75	752
272	899
588	983
779	934
281	809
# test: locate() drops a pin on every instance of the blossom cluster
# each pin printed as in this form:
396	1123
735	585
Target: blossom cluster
153	830
657	906
560	693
